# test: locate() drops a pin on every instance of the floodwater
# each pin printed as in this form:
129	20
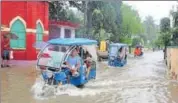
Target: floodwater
143	80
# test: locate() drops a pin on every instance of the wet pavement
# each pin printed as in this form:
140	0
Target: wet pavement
143	80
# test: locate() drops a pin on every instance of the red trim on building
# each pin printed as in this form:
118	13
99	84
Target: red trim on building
64	23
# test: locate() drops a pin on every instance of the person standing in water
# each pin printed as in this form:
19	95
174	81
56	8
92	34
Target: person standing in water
5	51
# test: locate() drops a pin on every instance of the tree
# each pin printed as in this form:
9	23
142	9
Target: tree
131	24
61	10
102	16
104	20
150	29
57	10
165	33
136	41
175	27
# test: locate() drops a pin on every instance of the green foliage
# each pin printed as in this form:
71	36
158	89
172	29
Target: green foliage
165	35
175	27
112	20
136	41
165	38
131	23
57	10
151	30
165	25
74	17
175	36
126	40
175	18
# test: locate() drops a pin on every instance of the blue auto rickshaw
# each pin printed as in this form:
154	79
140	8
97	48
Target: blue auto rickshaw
117	54
52	61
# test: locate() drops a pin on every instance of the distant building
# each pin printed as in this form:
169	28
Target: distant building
62	29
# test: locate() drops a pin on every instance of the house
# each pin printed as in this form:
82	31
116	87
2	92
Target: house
62	29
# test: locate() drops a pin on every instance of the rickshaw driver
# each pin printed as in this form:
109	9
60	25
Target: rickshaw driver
73	62
137	51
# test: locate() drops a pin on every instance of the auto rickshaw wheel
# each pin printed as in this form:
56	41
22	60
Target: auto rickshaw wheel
81	86
99	58
51	81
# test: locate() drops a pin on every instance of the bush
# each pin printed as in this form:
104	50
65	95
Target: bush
126	40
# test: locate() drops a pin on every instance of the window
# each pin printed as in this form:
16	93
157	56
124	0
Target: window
54	32
39	33
18	29
67	33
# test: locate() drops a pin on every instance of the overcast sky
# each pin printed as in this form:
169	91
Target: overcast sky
156	9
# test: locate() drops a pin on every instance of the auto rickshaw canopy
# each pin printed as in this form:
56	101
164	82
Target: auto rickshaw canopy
72	41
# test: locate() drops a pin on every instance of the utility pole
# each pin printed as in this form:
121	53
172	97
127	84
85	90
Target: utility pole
85	18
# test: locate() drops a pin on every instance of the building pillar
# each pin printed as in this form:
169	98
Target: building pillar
62	32
72	33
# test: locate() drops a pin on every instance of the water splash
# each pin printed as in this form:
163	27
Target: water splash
90	89
142	81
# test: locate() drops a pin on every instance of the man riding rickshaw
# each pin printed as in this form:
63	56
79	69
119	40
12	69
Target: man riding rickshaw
138	51
68	61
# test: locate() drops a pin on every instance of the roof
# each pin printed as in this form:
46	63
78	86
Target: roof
72	41
64	23
118	44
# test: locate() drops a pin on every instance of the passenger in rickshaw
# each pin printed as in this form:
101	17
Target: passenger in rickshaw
88	62
121	53
73	62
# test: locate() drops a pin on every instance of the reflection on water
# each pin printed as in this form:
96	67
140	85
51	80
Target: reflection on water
143	80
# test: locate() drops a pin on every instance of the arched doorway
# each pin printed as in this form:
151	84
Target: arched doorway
18	28
39	32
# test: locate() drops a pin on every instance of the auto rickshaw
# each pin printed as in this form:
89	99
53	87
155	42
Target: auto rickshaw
117	54
138	51
51	61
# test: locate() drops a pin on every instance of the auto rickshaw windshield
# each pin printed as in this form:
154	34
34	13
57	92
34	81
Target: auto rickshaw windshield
52	56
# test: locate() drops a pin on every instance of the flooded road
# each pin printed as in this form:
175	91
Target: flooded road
143	80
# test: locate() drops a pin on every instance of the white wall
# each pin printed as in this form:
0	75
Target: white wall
62	32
